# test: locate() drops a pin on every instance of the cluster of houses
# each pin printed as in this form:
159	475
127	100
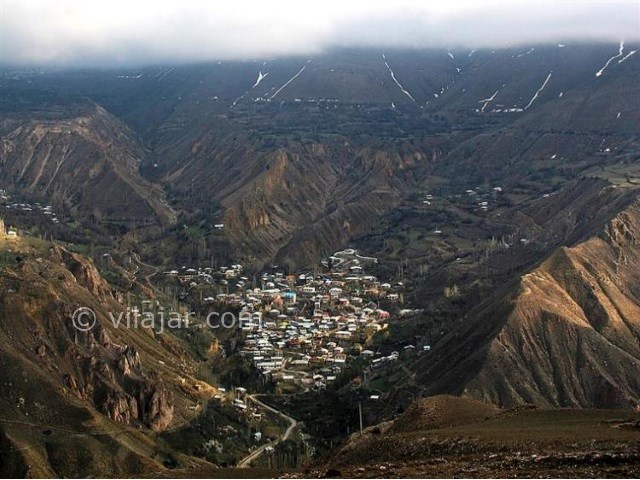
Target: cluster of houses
238	398
194	277
27	208
478	200
482	199
302	330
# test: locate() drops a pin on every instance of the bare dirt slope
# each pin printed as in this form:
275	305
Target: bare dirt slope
565	333
84	161
442	410
525	442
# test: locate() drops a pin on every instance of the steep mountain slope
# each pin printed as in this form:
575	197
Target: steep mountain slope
84	161
312	199
343	124
421	78
347	122
564	334
297	157
82	402
594	123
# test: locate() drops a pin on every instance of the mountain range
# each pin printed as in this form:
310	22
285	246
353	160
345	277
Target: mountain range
499	187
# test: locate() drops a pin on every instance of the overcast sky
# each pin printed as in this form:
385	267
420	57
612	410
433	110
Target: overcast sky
130	32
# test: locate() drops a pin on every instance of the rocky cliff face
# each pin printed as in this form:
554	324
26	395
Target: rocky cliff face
99	369
302	206
97	382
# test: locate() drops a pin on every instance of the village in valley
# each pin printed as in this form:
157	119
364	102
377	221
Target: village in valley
300	331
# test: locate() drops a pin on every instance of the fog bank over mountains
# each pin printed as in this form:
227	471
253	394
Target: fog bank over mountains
123	33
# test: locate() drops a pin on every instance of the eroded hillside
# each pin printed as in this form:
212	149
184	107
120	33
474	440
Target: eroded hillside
81	403
299	155
85	163
565	333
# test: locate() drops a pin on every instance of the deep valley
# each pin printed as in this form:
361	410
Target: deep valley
430	257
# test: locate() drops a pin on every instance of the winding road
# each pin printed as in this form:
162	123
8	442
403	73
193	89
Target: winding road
147	278
246	461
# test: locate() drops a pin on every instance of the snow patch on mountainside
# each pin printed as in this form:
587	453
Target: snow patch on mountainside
528	52
393	76
627	56
487	101
290	80
539	90
260	78
601	71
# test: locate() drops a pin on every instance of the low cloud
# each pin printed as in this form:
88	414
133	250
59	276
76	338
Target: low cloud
120	33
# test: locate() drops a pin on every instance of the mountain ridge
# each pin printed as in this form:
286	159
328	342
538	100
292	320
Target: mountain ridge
542	335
